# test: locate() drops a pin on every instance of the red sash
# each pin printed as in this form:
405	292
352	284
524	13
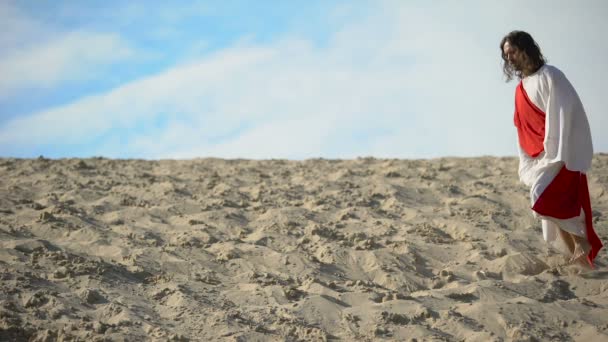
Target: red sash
530	123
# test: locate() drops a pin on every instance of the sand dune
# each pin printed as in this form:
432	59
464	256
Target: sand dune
210	249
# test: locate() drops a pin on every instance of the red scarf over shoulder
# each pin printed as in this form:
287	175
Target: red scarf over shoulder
530	123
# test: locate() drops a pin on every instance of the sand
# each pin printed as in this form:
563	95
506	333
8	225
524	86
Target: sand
240	250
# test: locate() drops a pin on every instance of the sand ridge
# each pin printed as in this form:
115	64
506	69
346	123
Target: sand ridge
274	250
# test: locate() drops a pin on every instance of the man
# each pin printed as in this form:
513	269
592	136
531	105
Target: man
555	147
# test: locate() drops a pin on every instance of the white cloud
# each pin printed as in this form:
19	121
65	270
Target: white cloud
37	53
406	81
72	56
16	28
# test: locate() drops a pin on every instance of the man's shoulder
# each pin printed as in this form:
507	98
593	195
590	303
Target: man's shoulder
551	75
551	71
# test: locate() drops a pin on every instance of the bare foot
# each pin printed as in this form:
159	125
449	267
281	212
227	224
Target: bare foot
581	250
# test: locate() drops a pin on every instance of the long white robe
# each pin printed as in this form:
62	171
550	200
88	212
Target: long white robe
567	142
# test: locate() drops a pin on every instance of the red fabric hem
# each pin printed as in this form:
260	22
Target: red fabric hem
564	198
594	240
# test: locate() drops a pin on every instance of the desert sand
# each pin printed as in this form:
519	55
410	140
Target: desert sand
240	250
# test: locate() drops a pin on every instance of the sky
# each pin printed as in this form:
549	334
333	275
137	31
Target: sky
281	79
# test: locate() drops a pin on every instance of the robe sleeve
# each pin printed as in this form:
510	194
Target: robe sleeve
567	132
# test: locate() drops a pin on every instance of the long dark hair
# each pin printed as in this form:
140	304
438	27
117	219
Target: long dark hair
523	41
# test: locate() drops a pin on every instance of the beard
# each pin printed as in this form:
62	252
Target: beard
516	65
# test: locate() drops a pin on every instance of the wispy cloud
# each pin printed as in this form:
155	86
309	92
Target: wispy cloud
16	28
74	56
402	80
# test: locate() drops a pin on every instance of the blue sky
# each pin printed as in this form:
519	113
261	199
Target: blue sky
280	79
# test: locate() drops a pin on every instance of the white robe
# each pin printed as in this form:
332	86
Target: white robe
567	142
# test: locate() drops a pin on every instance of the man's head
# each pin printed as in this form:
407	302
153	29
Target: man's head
520	54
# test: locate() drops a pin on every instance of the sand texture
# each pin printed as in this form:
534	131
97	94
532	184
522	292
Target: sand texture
239	250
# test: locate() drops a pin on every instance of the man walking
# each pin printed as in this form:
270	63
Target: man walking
555	148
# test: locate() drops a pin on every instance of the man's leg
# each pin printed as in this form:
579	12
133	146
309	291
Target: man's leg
578	245
581	248
567	237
